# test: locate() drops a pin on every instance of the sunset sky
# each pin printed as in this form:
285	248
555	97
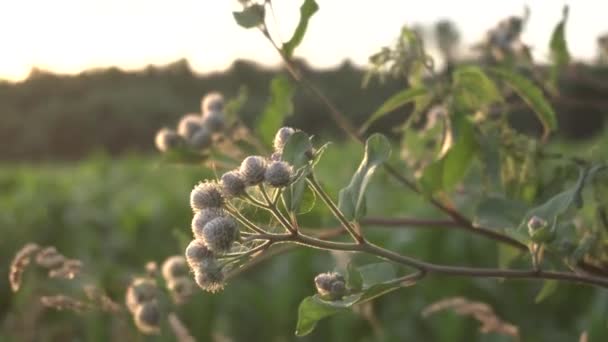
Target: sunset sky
68	36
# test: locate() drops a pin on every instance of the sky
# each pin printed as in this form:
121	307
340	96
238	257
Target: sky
69	36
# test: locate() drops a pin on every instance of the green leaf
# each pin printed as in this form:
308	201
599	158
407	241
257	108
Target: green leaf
499	213
250	17
297	153
307	10
533	96
473	89
278	107
354	280
352	198
400	99
560	56
311	310
549	287
376	273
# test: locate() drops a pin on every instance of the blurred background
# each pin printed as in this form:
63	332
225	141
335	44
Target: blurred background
85	85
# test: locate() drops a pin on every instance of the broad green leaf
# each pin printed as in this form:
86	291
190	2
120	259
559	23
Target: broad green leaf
376	273
354	280
533	96
311	310
473	89
307	10
549	287
297	153
507	254
499	213
560	56
250	17
400	99
352	198
278	107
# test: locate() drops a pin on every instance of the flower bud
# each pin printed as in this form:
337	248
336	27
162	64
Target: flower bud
212	102
206	195
201	218
175	266
253	169
220	233
209	276
188	125
535	223
278	174
233	184
167	139
202	139
280	139
330	285
140	291
147	317
197	253
214	121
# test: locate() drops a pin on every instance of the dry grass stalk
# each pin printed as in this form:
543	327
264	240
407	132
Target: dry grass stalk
19	264
63	302
179	329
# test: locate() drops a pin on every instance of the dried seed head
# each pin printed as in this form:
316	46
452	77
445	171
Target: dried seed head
209	276
212	102
330	285
167	139
147	317
276	156
214	120
280	139
197	253
181	288
233	184
201	218
206	195
188	125
140	291
220	233
19	264
278	174
49	257
253	169
174	267
201	139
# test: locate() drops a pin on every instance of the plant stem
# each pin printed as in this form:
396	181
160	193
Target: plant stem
274	210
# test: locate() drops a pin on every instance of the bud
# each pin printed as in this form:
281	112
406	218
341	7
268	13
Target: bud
539	230
330	285
188	125
147	317
206	195
214	121
233	184
278	174
535	223
202	139
167	139
174	267
201	218
212	102
280	139
209	276
140	291
197	253
220	233
253	169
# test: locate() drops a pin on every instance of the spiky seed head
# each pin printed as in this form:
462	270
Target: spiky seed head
278	174
201	218
167	139
188	125
220	233
147	317
280	139
214	121
197	253
140	291
330	285
206	195
209	276
253	169
233	184
212	102
276	156
201	139
181	288
174	267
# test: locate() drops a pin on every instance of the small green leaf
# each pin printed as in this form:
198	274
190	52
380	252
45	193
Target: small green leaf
311	310
549	287
277	109
560	56
297	153
473	89
377	273
533	96
250	17
499	213
400	99
352	198
307	10
354	280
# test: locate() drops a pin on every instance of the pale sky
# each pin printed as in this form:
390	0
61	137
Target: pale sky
69	36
